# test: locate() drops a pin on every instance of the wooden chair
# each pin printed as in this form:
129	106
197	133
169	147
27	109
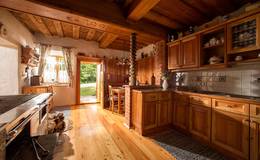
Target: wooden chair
113	100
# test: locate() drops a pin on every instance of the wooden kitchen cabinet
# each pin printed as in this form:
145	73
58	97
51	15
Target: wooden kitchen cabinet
254	132
174	55
243	35
163	112
200	122
145	70
230	128
184	53
181	111
189	51
150	110
37	89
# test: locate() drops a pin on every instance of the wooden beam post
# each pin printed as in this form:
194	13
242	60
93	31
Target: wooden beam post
107	40
58	28
163	20
76	31
90	35
140	8
38	22
132	69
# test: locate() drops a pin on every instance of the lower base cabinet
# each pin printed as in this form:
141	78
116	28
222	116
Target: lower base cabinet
230	132
181	112
254	132
151	111
200	122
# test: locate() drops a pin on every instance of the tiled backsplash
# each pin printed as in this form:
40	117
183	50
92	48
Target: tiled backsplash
242	80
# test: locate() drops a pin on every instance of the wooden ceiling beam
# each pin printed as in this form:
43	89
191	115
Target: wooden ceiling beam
58	28
76	31
90	15
163	20
90	35
140	8
38	22
107	40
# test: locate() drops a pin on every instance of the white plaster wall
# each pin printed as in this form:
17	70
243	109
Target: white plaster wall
19	35
8	71
16	31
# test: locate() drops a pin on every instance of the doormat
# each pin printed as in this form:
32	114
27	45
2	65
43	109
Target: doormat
183	147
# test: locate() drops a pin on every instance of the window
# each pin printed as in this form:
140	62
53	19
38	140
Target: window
55	70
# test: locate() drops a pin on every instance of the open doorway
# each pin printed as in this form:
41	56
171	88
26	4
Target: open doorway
89	81
89	86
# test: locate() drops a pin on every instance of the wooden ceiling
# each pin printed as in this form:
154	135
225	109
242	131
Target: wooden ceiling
110	22
178	14
50	27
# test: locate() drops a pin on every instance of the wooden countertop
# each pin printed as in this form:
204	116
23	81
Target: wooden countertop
245	99
152	90
223	96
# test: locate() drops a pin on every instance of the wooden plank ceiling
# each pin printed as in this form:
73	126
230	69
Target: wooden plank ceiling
110	22
50	27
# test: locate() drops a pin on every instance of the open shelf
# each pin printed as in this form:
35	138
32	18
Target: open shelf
213	45
219	45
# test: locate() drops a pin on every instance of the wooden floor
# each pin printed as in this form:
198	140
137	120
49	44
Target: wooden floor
99	135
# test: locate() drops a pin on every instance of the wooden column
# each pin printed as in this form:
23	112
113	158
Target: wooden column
132	69
132	80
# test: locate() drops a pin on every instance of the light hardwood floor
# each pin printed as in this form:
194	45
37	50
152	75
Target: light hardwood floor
100	135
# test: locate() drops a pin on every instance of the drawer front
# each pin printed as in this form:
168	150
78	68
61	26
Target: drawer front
164	96
204	101
148	97
181	98
232	106
255	112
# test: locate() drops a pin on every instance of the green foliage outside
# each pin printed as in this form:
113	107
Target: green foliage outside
88	73
88	91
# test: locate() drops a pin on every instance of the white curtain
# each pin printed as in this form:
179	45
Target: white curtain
44	51
68	60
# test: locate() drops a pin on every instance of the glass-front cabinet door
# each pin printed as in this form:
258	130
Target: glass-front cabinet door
243	35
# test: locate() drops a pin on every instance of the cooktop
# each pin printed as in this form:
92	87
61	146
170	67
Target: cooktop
9	102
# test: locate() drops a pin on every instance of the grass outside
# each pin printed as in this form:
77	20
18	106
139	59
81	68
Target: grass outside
88	91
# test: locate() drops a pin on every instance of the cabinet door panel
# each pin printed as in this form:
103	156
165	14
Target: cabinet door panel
231	132
180	115
254	141
189	50
200	121
174	59
149	115
163	110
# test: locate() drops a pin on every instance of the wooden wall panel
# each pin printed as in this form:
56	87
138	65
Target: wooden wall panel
115	75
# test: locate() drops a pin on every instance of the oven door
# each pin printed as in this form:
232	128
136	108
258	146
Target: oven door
39	122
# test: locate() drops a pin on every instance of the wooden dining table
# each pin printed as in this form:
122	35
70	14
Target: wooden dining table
119	91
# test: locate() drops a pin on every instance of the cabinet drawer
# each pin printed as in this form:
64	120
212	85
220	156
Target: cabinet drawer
231	106
205	101
148	97
181	98
255	112
164	96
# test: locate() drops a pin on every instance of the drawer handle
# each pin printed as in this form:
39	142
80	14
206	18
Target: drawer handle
231	106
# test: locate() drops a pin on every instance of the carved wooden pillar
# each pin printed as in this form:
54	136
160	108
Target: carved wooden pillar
132	69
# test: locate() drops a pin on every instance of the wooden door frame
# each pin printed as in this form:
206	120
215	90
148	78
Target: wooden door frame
90	60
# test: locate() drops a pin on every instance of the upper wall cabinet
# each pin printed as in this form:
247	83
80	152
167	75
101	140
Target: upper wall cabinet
174	55
189	51
184	53
244	35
